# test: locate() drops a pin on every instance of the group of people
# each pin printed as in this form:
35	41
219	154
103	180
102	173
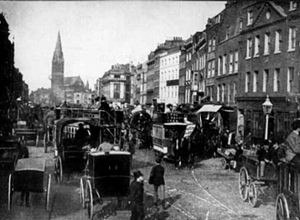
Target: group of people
136	196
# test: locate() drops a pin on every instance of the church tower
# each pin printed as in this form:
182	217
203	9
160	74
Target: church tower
57	77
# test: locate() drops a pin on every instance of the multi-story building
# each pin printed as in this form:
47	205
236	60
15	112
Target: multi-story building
153	67
182	70
197	83
140	84
188	47
269	64
116	84
41	96
169	76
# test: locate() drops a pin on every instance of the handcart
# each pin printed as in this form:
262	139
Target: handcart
107	175
29	176
250	180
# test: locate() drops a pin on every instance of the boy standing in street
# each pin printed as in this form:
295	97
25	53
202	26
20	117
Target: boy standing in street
157	179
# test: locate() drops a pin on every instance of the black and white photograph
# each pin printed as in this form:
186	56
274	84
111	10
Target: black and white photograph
150	110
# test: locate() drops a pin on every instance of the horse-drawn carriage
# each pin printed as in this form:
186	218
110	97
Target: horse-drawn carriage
250	178
70	151
29	176
107	175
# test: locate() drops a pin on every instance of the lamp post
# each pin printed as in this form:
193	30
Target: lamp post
267	108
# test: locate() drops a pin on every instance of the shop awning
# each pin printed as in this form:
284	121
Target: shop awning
209	108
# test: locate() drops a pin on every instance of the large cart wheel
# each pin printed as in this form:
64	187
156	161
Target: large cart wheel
83	192
9	192
243	183
282	208
48	193
89	199
58	170
253	195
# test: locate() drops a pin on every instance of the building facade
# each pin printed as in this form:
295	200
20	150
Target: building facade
270	65
169	76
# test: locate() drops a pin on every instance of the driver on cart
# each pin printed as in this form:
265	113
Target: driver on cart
81	136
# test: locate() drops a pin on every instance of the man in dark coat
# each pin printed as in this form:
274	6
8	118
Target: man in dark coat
81	136
136	197
157	178
293	145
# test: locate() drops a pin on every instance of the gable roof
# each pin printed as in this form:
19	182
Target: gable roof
70	80
269	5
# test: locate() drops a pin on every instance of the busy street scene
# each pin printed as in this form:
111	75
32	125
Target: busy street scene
150	110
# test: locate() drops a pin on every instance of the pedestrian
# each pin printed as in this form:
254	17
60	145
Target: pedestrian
156	179
136	197
292	144
24	153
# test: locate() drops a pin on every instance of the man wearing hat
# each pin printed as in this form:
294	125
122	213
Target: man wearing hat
292	152
136	197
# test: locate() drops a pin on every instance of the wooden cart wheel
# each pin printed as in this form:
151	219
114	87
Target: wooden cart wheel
282	208
83	192
253	195
48	193
224	163
9	190
58	170
243	183
89	199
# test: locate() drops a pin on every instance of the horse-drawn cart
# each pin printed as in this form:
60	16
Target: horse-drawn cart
250	179
107	175
29	176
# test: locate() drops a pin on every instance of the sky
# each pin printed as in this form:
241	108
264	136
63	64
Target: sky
97	34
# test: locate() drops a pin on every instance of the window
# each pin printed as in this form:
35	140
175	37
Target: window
292	38
230	62
220	66
223	93
224	64
117	91
249	17
256	46
247	82
276	82
218	93
290	78
278	41
213	44
255	81
212	68
227	32
267	44
209	70
265	80
241	25
236	61
228	93
293	5
210	45
234	91
249	48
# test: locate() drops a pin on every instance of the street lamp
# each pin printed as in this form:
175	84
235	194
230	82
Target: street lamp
267	108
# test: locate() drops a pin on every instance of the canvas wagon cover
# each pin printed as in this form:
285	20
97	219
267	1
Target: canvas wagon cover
36	164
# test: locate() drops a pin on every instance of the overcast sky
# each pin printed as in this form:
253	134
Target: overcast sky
97	34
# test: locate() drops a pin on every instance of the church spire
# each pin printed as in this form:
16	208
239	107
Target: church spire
58	54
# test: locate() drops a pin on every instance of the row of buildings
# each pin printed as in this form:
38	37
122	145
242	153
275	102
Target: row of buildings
246	52
13	89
